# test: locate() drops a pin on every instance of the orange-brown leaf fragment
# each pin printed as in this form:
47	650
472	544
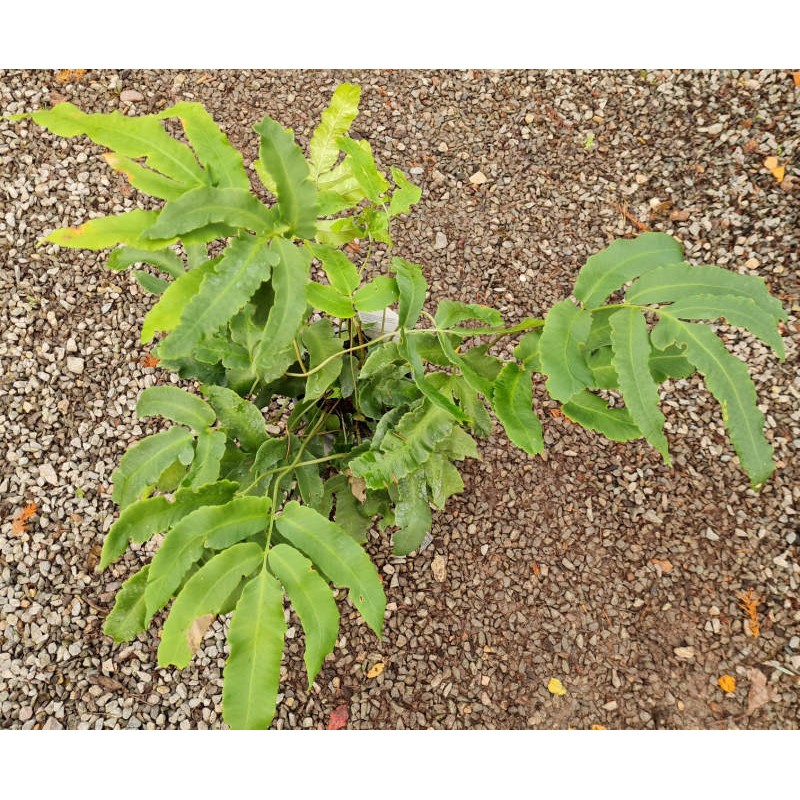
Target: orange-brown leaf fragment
778	170
338	718
597	727
727	683
749	604
375	670
148	360
662	563
796	78
18	525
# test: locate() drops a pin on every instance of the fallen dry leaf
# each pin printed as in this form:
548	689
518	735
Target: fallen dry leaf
338	718
749	604
680	215
109	684
778	171
148	360
537	570
69	75
597	727
760	694
438	568
358	487
662	563
478	178
554	686
375	670
727	683
18	525
796	78
198	630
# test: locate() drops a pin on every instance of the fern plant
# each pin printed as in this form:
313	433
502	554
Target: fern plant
269	310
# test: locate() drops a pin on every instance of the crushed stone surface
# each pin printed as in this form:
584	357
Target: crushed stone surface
595	564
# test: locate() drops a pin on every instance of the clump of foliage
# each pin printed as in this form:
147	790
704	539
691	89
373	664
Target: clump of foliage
376	400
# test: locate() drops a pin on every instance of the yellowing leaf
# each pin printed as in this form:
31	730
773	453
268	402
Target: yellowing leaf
727	683
554	686
597	727
796	78
375	670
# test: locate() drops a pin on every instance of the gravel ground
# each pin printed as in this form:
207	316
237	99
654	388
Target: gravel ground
594	564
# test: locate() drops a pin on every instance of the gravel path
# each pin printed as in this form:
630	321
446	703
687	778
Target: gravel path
594	564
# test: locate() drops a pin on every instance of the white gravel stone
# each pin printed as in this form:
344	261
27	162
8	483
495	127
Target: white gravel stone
75	364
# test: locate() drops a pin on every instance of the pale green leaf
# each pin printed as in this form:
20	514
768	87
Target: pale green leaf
727	378
209	449
512	403
405	448
404	196
145	180
322	344
144	518
313	601
739	311
205	593
213	527
451	312
326	298
166	260
341	271
208	205
443	478
150	283
143	463
283	160
135	137
252	671
238	416
412	288
276	350
222	161
686	282
104	232
622	261
669	363
340	559
166	313
244	266
594	413
175	404
527	351
376	295
335	121
412	513
560	350
127	618
631	343
363	167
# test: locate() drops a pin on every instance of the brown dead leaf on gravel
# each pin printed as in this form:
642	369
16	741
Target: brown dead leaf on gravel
358	487
749	604
796	78
760	694
109	684
662	563
197	631
70	75
375	670
18	526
